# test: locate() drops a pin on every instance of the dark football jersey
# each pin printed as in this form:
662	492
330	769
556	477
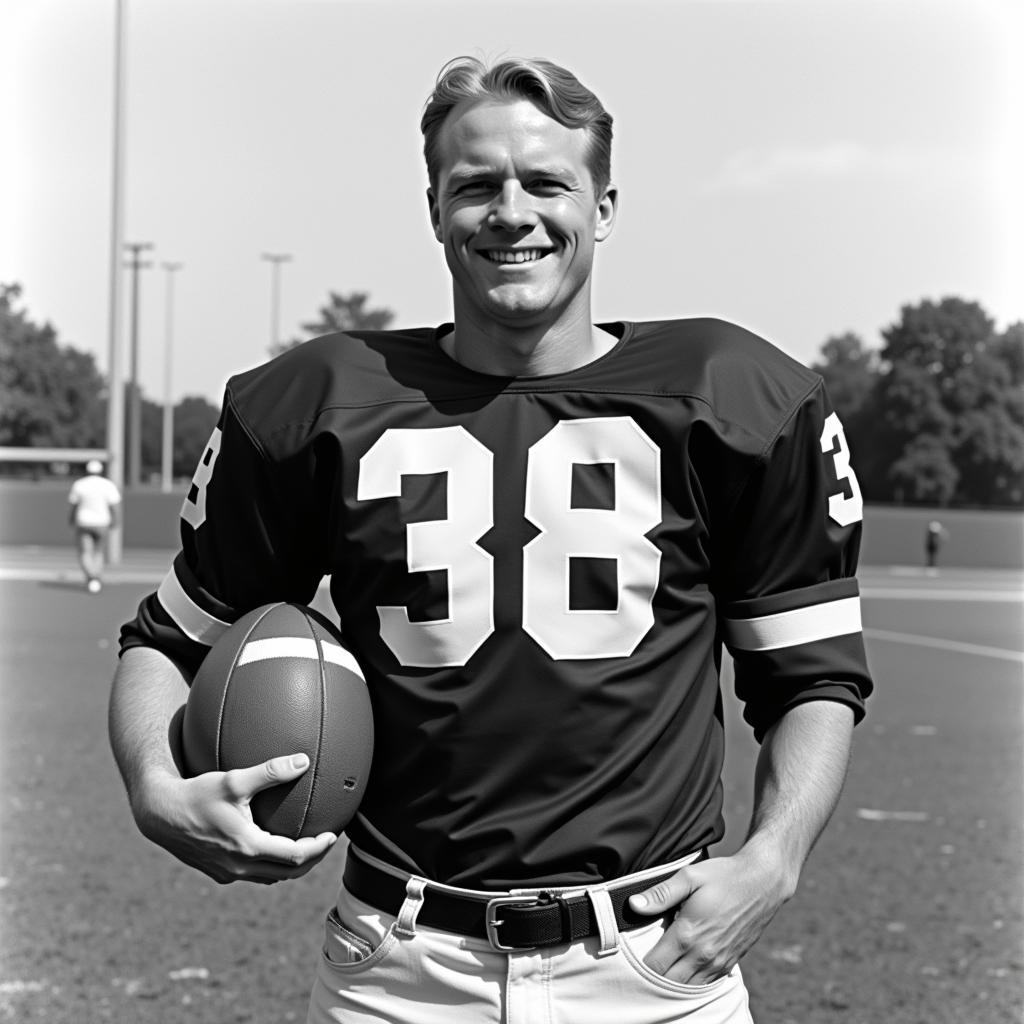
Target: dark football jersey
537	576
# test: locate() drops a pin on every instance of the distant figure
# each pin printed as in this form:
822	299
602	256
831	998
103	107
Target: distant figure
933	538
94	500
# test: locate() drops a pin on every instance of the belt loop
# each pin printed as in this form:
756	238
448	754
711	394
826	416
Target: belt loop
606	925
410	908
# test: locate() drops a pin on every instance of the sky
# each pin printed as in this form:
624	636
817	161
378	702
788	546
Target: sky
801	168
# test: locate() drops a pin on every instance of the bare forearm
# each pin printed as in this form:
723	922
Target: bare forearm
147	693
723	905
799	777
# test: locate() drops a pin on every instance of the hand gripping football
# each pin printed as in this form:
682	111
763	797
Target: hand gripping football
279	681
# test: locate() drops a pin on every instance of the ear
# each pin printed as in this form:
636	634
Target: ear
435	214
607	208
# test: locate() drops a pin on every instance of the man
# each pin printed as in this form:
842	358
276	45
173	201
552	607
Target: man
94	500
539	532
934	536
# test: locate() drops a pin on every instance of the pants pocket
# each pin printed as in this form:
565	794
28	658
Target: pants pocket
347	949
635	945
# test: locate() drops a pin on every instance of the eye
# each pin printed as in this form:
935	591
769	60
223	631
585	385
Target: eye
477	187
547	186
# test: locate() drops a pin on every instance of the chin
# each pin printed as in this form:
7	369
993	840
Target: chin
520	316
519	306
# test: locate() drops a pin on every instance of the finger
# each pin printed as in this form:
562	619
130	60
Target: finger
664	896
667	958
292	852
278	865
274	871
676	956
687	963
244	783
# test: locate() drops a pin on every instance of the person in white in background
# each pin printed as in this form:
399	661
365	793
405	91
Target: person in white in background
94	500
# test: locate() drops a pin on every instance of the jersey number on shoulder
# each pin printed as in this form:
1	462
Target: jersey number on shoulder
451	544
193	509
845	509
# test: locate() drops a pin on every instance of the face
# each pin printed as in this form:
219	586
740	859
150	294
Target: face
517	213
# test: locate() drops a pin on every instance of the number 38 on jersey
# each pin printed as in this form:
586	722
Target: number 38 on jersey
565	532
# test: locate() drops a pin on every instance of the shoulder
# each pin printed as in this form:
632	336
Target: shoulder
351	369
741	377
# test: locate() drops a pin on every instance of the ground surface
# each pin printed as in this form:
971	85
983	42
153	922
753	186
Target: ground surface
910	910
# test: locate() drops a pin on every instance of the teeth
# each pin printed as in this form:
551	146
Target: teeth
514	256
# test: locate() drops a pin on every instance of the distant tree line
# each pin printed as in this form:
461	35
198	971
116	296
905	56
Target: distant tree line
933	417
53	396
936	416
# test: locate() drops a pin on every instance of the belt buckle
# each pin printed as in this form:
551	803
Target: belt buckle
492	921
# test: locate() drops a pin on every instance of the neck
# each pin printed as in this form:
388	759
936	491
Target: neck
528	351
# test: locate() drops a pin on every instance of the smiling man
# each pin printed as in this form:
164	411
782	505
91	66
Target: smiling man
540	532
515	203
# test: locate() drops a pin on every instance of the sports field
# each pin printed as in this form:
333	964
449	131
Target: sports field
910	911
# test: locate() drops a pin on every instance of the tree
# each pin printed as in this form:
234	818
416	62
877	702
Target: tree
850	370
342	313
942	337
50	394
938	417
924	473
1008	347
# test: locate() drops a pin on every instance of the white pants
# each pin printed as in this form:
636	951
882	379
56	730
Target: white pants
388	970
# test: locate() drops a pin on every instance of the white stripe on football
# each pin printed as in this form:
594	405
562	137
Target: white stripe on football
297	647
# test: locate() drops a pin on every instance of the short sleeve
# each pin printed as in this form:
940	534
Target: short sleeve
247	527
787	596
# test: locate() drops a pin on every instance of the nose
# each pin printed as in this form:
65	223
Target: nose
511	208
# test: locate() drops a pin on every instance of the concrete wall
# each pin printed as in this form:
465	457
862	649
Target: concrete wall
37	513
989	540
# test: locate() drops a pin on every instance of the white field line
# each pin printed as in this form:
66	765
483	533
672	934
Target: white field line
111	575
944	645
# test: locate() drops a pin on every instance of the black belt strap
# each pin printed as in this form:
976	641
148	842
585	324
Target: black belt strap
548	920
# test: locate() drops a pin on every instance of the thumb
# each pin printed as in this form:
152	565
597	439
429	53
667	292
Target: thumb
668	893
244	783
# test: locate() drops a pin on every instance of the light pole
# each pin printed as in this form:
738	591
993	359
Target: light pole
134	396
115	370
167	448
275	259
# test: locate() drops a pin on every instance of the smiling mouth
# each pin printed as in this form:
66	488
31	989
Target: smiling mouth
513	256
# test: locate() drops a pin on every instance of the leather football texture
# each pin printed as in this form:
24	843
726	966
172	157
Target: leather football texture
280	681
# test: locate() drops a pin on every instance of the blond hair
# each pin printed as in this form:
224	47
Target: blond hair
551	88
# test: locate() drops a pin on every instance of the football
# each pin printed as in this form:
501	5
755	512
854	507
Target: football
280	681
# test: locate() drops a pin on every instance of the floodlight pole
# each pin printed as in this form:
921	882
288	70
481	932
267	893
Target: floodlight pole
115	371
167	448
134	394
276	259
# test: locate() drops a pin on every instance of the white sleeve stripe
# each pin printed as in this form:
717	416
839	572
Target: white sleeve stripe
799	626
188	616
297	647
